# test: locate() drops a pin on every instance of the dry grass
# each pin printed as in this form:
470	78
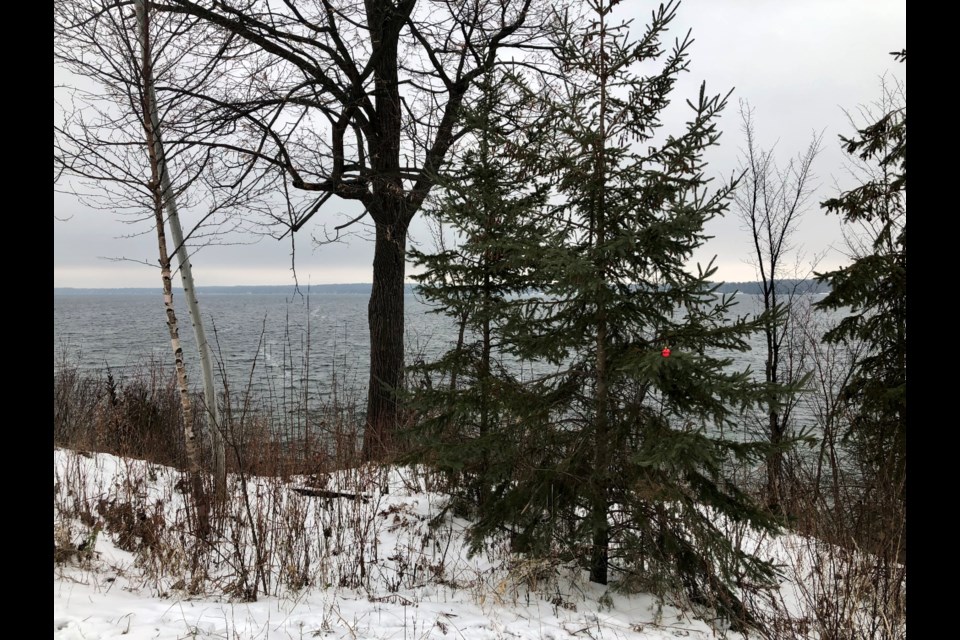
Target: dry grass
844	555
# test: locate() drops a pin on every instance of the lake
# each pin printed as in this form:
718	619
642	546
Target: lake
278	344
283	339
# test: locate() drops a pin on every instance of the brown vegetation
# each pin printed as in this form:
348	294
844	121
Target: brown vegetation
844	553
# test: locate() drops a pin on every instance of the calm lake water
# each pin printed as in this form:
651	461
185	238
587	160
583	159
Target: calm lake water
277	344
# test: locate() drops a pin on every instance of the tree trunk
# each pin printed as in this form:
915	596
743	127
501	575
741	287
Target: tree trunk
388	210
163	197
599	557
599	502
775	421
186	271
201	502
385	317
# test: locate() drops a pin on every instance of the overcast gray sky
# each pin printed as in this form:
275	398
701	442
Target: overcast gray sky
800	64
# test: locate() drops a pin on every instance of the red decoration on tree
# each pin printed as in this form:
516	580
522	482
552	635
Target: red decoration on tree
666	352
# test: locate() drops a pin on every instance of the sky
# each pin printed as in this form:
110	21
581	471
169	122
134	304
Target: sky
419	582
802	65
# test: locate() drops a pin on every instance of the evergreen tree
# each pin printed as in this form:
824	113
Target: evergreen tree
622	466
614	456
872	291
467	398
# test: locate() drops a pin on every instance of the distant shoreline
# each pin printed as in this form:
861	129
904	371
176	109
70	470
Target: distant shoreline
363	288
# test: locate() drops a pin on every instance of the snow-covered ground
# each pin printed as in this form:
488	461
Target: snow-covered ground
379	566
100	605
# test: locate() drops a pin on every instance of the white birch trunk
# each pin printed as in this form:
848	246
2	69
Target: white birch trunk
152	124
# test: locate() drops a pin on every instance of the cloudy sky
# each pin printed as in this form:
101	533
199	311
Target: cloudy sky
802	65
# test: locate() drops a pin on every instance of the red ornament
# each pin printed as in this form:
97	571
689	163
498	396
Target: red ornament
666	352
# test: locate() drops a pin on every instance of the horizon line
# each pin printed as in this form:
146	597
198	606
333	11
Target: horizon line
338	284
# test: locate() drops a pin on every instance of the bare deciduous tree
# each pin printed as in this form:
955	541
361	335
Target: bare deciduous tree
359	101
109	150
770	201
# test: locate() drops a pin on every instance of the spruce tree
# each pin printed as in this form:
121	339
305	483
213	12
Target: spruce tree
872	293
467	399
614	456
624	466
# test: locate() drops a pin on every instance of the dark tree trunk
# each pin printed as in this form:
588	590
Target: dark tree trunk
388	208
385	317
776	422
601	480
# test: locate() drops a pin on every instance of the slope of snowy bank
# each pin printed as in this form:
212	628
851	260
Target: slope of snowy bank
385	564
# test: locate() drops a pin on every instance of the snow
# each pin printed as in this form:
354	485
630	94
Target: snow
385	568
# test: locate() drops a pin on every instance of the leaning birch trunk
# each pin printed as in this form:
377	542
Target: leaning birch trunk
157	188
200	501
152	125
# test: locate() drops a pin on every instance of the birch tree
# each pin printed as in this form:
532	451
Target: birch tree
109	148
